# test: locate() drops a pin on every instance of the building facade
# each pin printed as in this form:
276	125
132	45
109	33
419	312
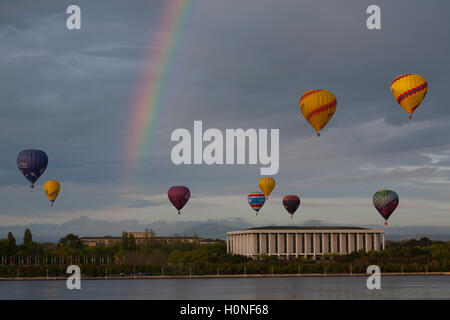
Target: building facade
308	242
141	238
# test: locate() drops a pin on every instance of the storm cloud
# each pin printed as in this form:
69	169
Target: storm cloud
236	65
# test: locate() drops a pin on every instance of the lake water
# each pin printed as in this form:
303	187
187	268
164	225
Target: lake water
392	287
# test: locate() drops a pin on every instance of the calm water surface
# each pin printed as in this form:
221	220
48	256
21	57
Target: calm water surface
392	287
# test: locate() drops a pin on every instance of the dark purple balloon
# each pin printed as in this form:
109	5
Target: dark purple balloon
179	196
291	203
32	164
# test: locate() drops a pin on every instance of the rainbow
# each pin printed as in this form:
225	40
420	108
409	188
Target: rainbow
149	98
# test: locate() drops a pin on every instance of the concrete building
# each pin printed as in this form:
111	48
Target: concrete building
308	242
141	238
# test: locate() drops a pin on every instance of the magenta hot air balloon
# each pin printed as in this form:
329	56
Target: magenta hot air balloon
179	196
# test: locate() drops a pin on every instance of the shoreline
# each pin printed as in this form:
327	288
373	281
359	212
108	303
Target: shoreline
224	276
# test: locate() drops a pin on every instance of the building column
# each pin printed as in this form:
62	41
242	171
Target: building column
382	240
323	244
314	244
333	244
296	245
287	245
233	243
278	245
247	244
260	243
367	242
341	248
376	242
306	246
269	250
349	248
241	243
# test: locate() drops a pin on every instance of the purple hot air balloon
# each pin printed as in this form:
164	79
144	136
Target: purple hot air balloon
179	196
32	164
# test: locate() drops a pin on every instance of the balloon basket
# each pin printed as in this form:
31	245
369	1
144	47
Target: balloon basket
32	186
318	134
410	116
385	223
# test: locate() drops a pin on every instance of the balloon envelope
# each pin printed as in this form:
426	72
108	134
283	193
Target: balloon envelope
179	196
52	189
256	200
266	184
32	164
409	90
385	201
318	106
291	203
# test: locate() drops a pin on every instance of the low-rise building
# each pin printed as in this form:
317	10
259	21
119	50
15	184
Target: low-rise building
141	238
294	241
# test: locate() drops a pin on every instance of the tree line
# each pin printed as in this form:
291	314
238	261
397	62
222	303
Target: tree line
158	257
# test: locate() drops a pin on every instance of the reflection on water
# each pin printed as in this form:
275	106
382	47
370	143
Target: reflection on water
392	287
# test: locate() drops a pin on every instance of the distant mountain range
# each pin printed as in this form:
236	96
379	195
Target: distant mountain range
215	229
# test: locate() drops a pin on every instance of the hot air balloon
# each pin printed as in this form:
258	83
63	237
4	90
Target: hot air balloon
266	184
409	90
318	106
291	203
179	196
52	189
32	164
385	201
256	200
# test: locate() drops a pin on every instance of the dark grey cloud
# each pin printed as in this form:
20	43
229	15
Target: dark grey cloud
237	64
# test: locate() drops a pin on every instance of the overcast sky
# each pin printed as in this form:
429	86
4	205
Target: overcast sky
238	64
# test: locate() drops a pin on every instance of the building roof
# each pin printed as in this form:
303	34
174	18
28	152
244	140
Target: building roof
307	228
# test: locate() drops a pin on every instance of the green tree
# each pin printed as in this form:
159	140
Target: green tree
11	241
124	242
27	237
71	241
131	242
424	242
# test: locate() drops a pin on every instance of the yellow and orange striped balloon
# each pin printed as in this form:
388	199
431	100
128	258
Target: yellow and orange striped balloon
318	106
409	91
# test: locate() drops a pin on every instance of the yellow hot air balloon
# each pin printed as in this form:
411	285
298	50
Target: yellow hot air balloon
409	91
52	189
318	106
266	184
